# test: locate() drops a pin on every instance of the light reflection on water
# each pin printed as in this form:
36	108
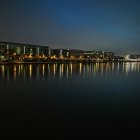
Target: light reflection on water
71	97
37	71
131	67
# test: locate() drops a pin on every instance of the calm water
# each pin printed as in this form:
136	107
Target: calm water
66	101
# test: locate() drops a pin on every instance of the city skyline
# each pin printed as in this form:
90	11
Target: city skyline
22	44
76	24
23	52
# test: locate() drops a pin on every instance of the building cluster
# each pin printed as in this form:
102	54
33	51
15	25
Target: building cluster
132	57
25	52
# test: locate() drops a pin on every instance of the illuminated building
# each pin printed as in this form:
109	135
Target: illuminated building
108	55
118	58
76	54
66	53
93	55
11	51
132	57
89	54
56	53
18	52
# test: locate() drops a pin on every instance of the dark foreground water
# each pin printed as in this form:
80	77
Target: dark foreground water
70	101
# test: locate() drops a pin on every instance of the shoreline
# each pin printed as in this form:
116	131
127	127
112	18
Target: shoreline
72	62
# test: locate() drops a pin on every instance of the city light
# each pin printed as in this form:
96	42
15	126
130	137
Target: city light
21	53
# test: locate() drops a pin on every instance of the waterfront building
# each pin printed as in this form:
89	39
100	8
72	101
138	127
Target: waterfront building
76	54
11	51
118	58
89	55
28	52
93	55
108	55
132	57
66	54
56	53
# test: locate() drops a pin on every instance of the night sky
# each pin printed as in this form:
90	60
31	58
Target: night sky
109	25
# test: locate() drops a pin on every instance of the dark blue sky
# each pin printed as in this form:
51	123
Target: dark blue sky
110	25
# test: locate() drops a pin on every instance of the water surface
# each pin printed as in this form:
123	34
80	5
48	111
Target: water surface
70	101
